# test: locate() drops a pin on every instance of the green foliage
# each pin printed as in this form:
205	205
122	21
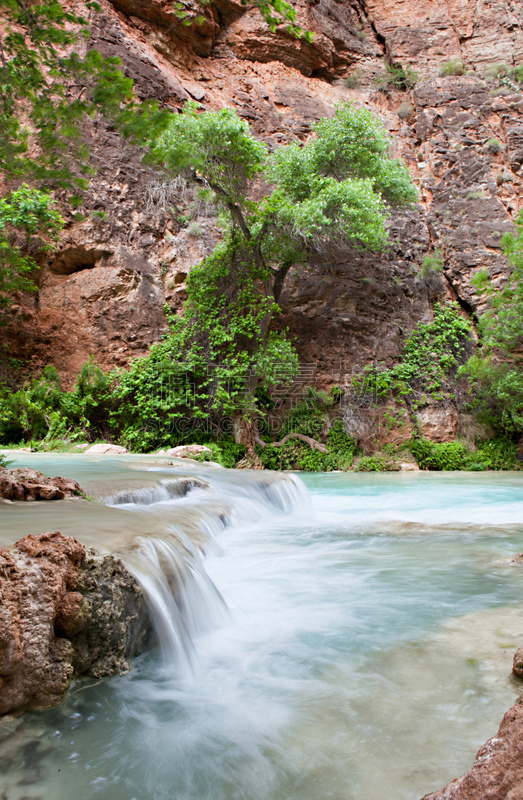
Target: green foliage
397	77
494	145
351	82
494	454
216	145
31	412
226	452
499	453
295	454
42	73
4	463
26	219
495	374
453	68
431	356
336	186
370	464
433	262
438	456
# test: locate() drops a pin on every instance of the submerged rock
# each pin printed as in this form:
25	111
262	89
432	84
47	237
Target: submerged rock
63	613
104	448
188	450
29	484
497	772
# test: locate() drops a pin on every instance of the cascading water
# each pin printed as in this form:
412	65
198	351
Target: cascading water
367	641
183	601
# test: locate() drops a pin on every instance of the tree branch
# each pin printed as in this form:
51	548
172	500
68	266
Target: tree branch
301	436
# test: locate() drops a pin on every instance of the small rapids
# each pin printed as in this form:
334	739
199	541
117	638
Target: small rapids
318	638
165	491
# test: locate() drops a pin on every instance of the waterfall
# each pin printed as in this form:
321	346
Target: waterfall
183	602
166	490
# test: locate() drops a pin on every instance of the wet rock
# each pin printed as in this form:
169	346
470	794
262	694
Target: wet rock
62	614
115	625
35	665
188	450
29	484
497	772
104	448
517	664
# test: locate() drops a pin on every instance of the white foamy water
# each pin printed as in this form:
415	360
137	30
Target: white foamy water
335	637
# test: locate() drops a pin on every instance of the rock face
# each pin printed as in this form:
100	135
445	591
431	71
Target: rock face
62	614
497	772
103	292
28	484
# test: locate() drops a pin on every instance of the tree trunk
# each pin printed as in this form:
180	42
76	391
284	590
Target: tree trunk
245	431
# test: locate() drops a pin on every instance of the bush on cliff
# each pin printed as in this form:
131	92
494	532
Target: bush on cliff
430	359
495	373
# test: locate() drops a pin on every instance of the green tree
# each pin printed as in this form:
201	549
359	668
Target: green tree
47	90
337	187
496	371
27	222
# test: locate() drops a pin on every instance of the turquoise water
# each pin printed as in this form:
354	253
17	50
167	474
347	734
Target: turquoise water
366	648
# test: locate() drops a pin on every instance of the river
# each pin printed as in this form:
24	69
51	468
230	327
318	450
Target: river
335	636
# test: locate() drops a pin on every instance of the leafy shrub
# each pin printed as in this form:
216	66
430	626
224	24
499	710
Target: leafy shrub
4	463
495	374
430	359
397	77
351	82
495	454
494	146
499	453
295	454
433	262
370	464
453	68
32	411
438	456
225	451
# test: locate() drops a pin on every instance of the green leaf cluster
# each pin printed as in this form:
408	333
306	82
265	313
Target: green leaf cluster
495	454
495	373
430	359
28	220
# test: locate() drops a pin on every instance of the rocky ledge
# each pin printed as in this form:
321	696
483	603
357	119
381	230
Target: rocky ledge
497	772
64	613
28	484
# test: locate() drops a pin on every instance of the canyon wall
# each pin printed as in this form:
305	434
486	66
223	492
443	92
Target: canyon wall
103	292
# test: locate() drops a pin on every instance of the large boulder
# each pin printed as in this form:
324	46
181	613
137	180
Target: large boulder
188	450
497	772
104	448
29	484
63	613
